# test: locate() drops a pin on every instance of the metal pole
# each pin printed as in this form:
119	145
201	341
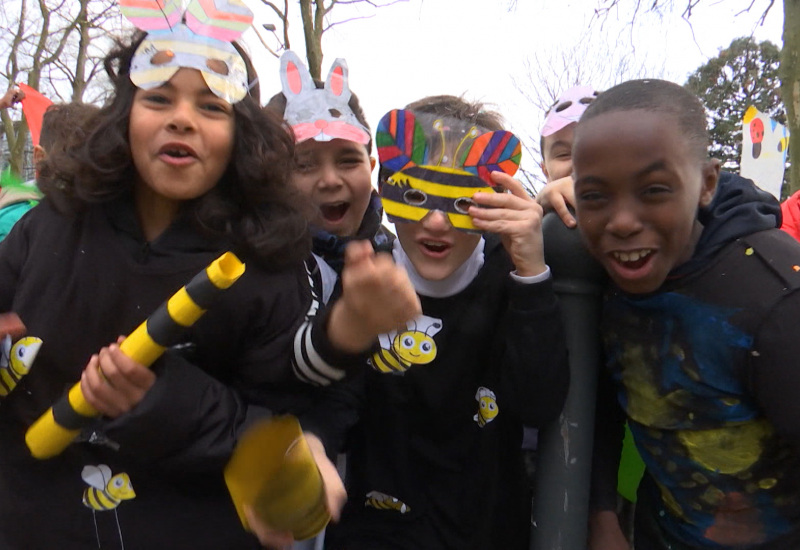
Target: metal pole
561	500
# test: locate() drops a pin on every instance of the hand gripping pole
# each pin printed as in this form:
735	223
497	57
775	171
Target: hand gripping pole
56	429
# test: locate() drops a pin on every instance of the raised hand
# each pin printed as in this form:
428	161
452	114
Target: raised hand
517	218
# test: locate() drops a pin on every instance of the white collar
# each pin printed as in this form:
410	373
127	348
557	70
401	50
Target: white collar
453	284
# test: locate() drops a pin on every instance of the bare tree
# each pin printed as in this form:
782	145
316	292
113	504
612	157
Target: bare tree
317	18
56	47
790	54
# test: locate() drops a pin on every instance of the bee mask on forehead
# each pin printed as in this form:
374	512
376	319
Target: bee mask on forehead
199	37
438	163
567	109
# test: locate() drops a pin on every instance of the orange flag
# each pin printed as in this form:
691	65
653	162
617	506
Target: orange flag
34	105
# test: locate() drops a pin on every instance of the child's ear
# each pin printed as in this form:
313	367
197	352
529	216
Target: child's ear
543	166
372	162
39	154
710	176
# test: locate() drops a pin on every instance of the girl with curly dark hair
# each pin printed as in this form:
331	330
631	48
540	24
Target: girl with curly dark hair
180	166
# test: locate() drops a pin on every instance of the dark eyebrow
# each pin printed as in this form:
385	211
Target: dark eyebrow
654	167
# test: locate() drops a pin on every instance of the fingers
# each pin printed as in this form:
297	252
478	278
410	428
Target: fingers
508	182
558	196
11	324
357	251
113	383
268	537
335	493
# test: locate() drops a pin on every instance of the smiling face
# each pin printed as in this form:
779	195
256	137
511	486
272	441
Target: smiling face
557	153
435	248
638	185
181	139
336	176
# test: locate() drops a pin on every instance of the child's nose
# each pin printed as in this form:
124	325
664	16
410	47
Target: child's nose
182	118
624	221
436	220
329	176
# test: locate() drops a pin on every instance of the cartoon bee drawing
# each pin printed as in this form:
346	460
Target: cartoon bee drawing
382	501
487	406
105	492
415	346
16	361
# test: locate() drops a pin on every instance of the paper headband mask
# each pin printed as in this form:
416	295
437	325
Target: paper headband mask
315	113
196	38
567	109
425	178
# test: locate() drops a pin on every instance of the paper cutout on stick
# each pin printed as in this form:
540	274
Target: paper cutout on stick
764	145
438	164
199	37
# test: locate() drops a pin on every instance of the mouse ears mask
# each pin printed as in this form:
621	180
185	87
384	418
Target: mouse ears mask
321	114
199	37
438	163
567	109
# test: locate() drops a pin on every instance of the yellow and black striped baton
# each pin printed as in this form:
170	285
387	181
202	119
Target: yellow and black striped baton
56	428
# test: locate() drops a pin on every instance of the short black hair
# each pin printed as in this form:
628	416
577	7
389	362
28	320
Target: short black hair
657	96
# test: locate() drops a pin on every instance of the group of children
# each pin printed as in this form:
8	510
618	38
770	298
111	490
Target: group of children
421	356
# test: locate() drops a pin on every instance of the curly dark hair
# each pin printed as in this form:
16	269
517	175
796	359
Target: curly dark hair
253	204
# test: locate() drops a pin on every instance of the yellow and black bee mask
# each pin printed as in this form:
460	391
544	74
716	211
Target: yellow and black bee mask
437	163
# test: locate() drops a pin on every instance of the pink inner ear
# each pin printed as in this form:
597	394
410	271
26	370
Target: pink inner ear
337	81
293	77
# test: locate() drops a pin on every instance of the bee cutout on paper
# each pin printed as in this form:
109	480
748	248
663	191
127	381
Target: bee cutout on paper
382	501
439	165
16	360
402	350
104	493
487	406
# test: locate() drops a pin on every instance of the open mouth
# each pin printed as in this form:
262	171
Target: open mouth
334	212
435	247
177	151
633	259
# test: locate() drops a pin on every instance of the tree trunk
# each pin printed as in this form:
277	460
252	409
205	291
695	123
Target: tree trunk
313	37
790	85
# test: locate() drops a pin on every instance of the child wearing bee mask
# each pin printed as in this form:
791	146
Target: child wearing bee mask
435	459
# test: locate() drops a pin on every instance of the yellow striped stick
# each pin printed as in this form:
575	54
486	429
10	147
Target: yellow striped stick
56	428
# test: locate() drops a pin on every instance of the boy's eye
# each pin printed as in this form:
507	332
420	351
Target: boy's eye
590	196
656	190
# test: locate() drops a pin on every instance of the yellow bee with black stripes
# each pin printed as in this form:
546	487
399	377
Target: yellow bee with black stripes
105	491
412	194
415	346
16	361
382	501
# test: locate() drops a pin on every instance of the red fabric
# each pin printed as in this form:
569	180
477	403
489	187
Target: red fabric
33	106
790	210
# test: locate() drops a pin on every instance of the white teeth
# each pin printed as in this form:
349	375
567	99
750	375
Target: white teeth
633	256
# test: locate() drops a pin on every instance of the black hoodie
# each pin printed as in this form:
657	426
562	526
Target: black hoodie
705	370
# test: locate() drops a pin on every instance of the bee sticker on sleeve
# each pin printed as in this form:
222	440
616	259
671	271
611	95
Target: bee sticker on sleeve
382	501
401	350
16	360
105	492
487	406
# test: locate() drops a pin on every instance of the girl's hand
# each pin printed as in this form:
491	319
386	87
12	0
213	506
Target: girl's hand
113	383
377	297
557	196
11	324
335	496
517	218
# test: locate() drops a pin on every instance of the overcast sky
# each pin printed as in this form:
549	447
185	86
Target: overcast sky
479	47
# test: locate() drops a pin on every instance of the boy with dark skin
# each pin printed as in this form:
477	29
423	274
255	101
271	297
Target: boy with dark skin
698	326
